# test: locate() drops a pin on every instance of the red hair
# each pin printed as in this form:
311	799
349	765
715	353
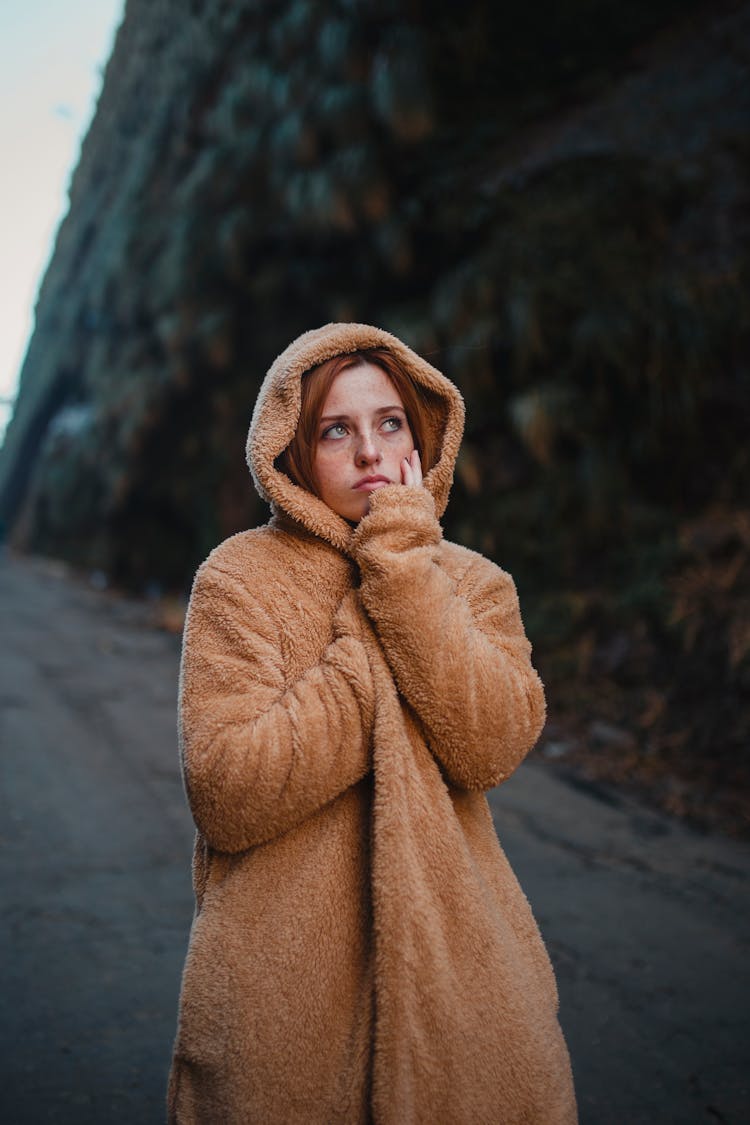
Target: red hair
298	459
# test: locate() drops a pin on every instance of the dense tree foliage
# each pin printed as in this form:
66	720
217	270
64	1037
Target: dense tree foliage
550	202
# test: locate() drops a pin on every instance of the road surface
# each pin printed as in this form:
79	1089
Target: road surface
647	922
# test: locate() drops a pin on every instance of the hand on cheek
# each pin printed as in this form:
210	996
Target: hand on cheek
411	469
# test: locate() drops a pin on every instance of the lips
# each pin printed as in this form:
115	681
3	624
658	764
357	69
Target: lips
369	484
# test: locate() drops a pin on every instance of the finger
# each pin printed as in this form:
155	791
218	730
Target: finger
407	476
416	466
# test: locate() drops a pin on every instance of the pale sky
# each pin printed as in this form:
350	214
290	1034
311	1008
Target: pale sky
52	54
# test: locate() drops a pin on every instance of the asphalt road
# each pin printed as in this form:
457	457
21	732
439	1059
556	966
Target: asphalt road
647	922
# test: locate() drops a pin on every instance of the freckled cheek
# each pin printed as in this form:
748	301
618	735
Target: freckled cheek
405	445
329	468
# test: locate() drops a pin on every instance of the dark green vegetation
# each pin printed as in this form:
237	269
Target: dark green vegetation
552	204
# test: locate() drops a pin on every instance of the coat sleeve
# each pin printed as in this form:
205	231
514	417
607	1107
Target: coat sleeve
457	650
259	755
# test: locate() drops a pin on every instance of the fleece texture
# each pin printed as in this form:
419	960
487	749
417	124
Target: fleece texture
361	950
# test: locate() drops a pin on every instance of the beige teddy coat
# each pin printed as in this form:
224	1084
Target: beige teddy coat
361	950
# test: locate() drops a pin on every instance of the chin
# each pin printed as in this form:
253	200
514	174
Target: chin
355	513
350	508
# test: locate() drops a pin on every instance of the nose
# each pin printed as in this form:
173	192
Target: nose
367	450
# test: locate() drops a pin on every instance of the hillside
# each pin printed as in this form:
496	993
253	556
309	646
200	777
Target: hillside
553	207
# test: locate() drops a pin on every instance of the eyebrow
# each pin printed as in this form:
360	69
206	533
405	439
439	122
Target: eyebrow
380	410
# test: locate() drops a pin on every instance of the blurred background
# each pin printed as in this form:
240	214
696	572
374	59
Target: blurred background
549	201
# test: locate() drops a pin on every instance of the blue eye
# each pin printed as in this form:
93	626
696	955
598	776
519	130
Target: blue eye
392	424
329	431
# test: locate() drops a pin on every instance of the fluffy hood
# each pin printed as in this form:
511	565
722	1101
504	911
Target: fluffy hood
277	410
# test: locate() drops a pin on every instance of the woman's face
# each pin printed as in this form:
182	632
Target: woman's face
362	437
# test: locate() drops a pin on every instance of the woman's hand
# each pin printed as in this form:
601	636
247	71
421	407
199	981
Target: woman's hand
411	469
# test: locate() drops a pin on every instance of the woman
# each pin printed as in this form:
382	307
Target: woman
350	685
